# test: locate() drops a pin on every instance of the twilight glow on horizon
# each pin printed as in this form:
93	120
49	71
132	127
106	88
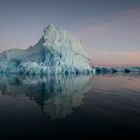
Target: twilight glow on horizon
109	29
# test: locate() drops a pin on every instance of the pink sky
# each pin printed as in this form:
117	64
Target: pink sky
116	58
115	41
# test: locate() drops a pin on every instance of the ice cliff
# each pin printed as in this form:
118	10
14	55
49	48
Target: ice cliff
57	51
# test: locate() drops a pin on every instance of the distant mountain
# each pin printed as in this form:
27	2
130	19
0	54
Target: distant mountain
56	52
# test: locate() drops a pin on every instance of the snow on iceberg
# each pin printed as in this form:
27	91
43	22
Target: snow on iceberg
56	52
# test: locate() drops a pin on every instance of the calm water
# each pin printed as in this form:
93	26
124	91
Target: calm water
97	106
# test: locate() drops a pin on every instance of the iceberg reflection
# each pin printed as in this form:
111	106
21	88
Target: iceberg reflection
56	95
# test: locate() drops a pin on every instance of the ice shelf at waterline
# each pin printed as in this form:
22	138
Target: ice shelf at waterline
56	52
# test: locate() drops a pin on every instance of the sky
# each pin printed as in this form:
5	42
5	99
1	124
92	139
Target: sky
109	29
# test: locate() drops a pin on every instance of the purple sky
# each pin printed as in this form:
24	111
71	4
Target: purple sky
109	29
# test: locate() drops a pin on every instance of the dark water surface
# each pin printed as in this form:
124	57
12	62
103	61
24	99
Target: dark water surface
85	106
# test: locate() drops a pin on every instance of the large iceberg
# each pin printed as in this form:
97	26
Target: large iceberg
57	51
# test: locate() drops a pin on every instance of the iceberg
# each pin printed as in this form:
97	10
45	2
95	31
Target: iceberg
57	51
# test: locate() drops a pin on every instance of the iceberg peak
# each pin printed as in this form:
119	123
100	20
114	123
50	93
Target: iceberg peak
49	28
62	40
